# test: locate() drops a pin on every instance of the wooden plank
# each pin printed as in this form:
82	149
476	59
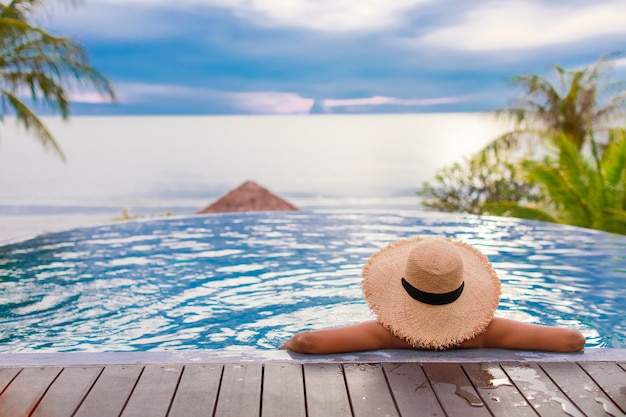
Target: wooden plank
539	390
455	392
283	390
240	391
6	376
411	390
368	391
497	391
110	392
580	388
611	378
154	391
26	389
197	391
325	388
67	392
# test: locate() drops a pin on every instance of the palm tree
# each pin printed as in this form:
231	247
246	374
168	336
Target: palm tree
36	64
582	103
583	191
581	108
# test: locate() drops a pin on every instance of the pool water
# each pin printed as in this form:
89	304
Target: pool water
249	281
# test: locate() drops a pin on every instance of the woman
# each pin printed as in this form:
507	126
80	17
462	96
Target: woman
433	293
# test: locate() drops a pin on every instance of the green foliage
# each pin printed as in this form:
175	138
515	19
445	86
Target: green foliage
138	216
478	181
582	191
573	167
513	209
43	67
581	103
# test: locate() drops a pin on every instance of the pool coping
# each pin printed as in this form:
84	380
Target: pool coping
264	356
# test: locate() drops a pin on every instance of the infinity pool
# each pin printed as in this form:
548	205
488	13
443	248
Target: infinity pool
249	281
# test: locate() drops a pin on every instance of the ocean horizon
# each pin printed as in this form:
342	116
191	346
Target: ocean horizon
145	160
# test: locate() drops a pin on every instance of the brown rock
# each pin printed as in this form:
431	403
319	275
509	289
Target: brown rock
249	196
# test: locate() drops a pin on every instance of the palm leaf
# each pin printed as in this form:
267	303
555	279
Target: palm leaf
29	120
45	65
570	203
514	209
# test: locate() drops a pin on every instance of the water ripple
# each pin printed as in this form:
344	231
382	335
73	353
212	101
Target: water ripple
245	281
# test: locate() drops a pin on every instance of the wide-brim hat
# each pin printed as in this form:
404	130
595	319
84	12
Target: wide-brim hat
433	292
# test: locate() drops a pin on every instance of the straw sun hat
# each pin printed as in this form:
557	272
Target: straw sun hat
433	292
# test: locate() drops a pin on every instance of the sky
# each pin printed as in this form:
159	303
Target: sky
207	57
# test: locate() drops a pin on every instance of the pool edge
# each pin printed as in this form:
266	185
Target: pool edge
264	356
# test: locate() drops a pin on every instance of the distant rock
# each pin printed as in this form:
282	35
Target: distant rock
318	107
249	196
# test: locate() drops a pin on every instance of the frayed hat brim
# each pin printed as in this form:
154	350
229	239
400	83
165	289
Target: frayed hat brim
430	326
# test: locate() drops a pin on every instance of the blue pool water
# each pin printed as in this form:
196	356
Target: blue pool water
249	281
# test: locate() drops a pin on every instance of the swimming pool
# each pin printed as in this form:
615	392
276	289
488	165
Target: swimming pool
249	281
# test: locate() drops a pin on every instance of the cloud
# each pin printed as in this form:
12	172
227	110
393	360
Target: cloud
108	20
323	15
88	97
620	63
523	25
379	100
269	102
275	56
264	102
255	102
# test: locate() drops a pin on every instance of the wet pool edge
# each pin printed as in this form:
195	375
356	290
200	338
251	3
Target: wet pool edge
266	356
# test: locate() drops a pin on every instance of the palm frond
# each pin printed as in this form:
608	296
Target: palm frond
46	66
27	118
514	209
572	206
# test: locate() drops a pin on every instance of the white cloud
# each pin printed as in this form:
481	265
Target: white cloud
263	102
620	63
322	15
269	102
378	100
88	97
137	92
522	24
108	20
255	102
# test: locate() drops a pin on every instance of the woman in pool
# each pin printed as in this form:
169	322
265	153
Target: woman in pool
433	293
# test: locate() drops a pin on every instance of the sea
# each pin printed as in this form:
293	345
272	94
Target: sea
158	165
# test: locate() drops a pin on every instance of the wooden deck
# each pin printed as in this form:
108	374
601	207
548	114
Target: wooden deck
293	389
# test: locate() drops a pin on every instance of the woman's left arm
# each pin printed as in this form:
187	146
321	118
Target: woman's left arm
510	334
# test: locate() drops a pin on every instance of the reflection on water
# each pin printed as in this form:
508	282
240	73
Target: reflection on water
251	280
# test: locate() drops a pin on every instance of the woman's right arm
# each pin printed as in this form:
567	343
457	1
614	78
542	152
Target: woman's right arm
369	335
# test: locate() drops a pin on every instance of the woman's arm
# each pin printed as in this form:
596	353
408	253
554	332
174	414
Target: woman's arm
511	334
369	335
500	334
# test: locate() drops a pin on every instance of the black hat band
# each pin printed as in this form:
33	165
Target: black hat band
430	297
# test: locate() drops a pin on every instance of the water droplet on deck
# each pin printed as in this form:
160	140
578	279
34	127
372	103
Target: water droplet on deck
609	407
472	400
537	387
